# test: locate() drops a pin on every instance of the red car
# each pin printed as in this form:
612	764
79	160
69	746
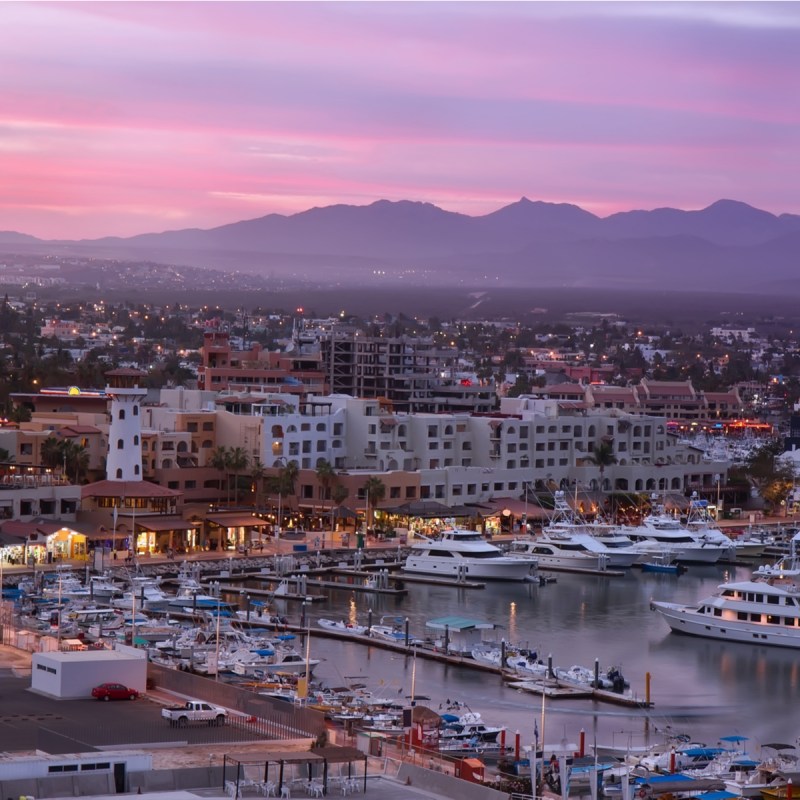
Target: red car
114	691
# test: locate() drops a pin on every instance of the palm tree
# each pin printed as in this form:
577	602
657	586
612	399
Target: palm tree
219	461
257	474
238	461
326	475
374	491
51	455
603	456
5	456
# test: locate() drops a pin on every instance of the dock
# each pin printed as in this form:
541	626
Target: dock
554	689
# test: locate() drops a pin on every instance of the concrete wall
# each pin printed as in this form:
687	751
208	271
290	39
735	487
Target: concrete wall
446	785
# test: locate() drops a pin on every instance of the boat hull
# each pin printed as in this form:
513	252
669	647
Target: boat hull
494	569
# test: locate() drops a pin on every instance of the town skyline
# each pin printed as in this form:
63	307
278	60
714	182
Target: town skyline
123	118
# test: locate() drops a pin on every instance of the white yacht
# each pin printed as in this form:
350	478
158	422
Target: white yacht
662	534
758	612
567	542
574	549
459	553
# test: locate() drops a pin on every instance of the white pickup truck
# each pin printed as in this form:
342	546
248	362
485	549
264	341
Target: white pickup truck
194	711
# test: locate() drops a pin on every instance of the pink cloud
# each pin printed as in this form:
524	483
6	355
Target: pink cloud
120	118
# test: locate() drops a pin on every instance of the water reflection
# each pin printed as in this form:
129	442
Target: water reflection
716	688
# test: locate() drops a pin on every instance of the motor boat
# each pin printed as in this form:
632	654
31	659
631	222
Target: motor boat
661	534
341	626
765	612
465	554
575	549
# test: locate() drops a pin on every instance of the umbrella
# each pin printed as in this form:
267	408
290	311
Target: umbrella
343	512
734	739
779	746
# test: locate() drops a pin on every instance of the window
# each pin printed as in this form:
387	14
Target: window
120	444
394	492
119	474
208	426
190	485
121	414
135	440
136	411
321	426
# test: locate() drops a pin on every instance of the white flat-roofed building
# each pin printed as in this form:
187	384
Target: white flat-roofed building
73	674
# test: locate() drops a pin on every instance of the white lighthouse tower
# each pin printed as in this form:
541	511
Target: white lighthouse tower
124	462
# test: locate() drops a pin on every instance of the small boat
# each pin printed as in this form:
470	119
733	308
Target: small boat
343	627
663	564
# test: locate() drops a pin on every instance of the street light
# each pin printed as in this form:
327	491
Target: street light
282	462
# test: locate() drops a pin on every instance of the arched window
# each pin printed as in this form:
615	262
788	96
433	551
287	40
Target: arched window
207	444
119	474
135	440
121	414
120	444
166	463
136	411
182	447
592	431
135	469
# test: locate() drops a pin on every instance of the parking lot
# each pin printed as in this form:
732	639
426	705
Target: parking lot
30	721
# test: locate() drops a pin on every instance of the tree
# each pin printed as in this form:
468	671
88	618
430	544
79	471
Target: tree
219	461
257	474
374	491
326	475
603	456
339	494
238	461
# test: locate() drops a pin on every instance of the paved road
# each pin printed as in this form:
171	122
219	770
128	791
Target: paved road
30	721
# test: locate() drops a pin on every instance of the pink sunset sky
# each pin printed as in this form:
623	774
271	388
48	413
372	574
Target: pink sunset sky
125	118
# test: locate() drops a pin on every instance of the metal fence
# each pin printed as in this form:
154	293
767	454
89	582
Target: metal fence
266	716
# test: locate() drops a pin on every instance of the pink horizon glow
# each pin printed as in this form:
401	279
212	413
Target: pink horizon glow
126	118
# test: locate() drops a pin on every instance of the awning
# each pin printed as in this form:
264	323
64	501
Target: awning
422	508
11	540
518	508
163	523
238	521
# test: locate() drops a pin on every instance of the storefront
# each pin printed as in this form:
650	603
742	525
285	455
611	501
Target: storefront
235	531
165	534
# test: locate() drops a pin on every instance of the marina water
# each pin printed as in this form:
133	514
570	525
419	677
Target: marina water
705	688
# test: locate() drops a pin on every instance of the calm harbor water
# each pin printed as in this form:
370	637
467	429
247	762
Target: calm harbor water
707	689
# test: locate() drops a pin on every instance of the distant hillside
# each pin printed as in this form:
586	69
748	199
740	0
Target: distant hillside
729	244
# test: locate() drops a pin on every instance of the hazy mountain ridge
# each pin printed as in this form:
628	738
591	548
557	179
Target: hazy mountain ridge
728	244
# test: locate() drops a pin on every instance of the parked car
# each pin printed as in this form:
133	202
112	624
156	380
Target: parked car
114	691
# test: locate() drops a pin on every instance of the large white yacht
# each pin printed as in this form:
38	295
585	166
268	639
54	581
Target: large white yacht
573	549
758	612
662	534
459	553
568	542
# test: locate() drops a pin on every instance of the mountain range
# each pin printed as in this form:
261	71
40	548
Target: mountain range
728	245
